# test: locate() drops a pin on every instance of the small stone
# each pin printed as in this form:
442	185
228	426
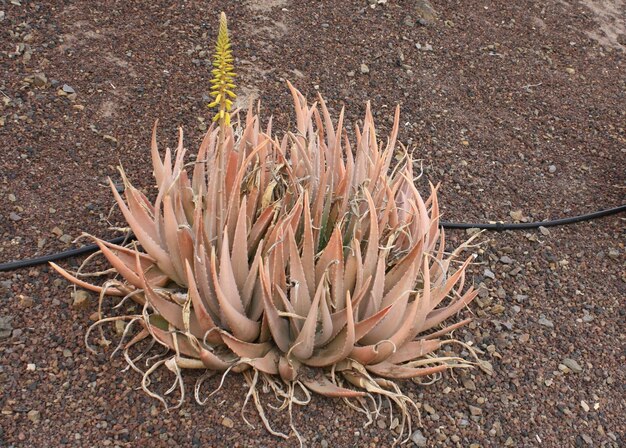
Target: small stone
365	69
418	438
468	383
381	424
408	21
351	73
517	215
40	80
425	11
570	70
12	197
588	440
228	422
572	365
57	231
81	299
463	423
545	322
120	326
26	302
428	47
544	231
33	416
110	139
5	328
614	254
498	309
428	408
68	89
67	239
524	338
14	217
552	169
489	274
585	406
506	260
30	367
474	410
67	353
472	231
324	443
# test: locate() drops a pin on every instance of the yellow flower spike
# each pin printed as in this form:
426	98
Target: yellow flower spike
222	82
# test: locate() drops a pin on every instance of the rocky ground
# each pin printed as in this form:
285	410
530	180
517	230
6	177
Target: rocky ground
517	108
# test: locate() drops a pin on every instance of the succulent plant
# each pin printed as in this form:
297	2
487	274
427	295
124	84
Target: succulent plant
308	262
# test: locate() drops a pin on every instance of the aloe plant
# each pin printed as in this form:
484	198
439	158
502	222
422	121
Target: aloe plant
307	261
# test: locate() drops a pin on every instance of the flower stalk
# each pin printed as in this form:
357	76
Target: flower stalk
222	85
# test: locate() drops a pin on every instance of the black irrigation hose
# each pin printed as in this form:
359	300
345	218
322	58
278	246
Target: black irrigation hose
499	226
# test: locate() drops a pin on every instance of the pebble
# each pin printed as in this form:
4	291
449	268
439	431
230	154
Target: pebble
474	410
545	322
469	384
12	197
524	338
33	416
14	217
572	365
68	89
517	215
110	139
40	80
426	11
488	273
67	239
614	254
544	231
227	422
67	353
506	260
425	47
552	169
585	406
364	69
5	328
26	302
57	231
418	438
570	70
81	299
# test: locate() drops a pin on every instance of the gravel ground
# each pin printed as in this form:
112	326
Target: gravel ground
517	108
